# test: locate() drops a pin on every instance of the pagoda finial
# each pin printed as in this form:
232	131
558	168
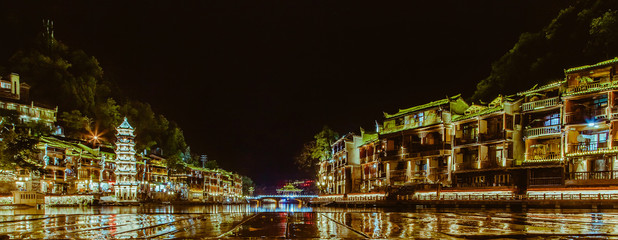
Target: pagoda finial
125	124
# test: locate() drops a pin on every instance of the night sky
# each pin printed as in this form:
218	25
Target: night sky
250	81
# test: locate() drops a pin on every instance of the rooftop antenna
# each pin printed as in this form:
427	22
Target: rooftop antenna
204	159
49	33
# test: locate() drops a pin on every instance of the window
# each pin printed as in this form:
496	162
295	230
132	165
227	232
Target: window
552	120
5	85
470	131
600	102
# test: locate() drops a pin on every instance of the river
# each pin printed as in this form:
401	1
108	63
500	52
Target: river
293	221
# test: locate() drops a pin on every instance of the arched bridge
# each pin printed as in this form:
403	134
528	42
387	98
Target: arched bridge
278	198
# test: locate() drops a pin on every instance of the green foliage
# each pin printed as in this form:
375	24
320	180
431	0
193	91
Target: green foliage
604	33
9	116
174	163
108	117
583	33
323	142
305	160
75	124
73	80
59	75
18	149
154	131
211	164
247	185
317	150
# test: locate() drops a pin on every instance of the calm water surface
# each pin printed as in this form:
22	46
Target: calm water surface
293	221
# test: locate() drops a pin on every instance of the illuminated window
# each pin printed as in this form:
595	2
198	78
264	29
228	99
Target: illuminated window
5	85
552	120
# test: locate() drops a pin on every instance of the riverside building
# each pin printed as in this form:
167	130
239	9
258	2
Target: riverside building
416	142
556	138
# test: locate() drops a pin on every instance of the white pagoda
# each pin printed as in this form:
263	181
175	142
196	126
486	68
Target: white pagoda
126	169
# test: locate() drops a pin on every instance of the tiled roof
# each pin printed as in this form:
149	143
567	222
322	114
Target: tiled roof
585	67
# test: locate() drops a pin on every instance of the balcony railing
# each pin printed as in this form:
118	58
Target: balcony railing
573	117
541	131
595	175
587	147
466	140
540	104
492	136
398	175
465	166
545	181
590	87
543	157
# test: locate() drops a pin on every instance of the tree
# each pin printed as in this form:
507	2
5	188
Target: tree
74	81
305	160
247	186
211	164
59	75
583	33
108	117
18	149
323	142
604	33
317	150
75	124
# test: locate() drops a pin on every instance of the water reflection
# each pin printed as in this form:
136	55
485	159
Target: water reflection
293	220
274	207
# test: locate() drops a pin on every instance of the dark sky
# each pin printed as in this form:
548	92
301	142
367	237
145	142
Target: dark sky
251	81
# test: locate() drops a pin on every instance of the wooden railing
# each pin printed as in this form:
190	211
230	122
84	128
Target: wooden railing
587	147
581	117
465	166
508	197
492	136
540	131
466	140
550	102
545	181
543	157
596	175
591	87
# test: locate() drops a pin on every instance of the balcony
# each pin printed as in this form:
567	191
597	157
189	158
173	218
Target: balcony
430	150
542	131
540	104
574	118
588	148
591	87
549	157
398	176
492	136
595	175
465	166
466	140
546	181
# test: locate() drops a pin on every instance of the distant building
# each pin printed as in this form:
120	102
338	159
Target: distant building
15	96
373	174
342	173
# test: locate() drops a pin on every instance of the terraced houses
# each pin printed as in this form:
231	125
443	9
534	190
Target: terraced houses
562	136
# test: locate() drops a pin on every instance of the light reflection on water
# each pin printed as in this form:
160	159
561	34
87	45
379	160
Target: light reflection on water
169	221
